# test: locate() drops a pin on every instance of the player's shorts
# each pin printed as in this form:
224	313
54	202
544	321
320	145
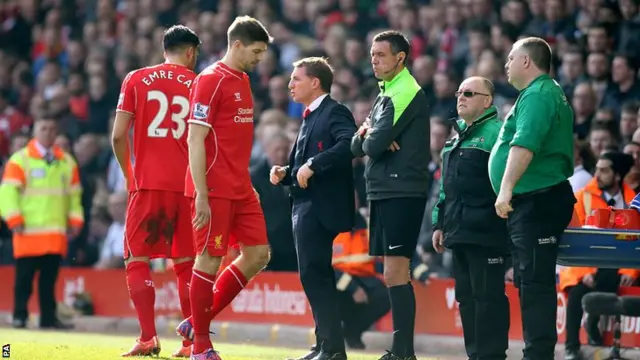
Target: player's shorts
233	222
394	226
158	224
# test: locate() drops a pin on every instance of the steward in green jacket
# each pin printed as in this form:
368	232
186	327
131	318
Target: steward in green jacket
465	221
465	211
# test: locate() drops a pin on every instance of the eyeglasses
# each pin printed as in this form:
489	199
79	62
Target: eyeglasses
469	94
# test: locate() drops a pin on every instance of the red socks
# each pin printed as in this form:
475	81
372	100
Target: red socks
227	287
201	307
143	296
183	273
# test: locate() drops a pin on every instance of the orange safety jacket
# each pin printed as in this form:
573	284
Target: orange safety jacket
590	198
44	199
351	254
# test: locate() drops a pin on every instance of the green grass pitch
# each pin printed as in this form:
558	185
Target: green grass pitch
48	345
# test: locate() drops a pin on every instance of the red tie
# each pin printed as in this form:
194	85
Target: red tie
306	113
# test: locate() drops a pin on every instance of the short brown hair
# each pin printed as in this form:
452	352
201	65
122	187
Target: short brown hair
248	30
319	68
539	51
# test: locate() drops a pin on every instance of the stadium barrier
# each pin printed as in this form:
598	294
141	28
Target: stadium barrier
278	298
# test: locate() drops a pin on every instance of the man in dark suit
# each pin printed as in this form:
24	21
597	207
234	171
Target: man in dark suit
321	180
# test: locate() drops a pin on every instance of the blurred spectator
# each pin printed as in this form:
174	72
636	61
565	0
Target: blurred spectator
602	137
633	177
583	162
584	108
112	248
275	202
628	121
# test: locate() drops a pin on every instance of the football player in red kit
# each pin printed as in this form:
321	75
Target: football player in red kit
154	103
224	203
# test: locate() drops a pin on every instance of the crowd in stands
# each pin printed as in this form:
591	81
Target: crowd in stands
66	59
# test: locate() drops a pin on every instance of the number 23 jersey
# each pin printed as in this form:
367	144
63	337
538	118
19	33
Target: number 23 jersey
158	99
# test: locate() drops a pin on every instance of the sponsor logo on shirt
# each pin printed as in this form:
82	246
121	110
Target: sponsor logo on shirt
200	112
244	115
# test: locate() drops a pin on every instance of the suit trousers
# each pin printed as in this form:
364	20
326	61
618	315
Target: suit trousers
26	268
314	246
484	306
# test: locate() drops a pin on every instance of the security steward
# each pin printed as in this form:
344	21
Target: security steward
363	297
529	169
465	220
606	189
40	201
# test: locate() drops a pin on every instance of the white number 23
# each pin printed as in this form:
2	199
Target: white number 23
179	118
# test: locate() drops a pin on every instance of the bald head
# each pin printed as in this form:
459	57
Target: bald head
475	95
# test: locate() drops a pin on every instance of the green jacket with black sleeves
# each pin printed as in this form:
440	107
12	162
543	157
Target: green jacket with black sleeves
465	211
400	113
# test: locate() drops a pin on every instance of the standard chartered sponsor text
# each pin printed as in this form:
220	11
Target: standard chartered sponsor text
244	119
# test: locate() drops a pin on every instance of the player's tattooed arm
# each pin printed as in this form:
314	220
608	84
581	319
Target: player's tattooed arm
119	141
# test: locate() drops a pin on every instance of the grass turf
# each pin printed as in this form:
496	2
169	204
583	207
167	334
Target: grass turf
49	345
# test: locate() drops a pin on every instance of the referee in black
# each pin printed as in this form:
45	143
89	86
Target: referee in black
529	169
395	138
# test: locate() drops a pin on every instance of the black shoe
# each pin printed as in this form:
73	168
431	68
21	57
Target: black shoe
572	355
391	356
323	355
56	325
354	343
19	323
312	354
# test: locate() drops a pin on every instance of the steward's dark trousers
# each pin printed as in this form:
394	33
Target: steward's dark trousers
484	306
536	226
26	268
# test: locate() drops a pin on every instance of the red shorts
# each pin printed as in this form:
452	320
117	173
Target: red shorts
233	222
158	224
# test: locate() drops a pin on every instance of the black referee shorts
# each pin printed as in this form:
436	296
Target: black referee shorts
394	226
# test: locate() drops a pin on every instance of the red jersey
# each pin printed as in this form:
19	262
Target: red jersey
158	98
221	99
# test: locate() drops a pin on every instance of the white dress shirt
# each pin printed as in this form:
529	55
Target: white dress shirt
618	199
316	103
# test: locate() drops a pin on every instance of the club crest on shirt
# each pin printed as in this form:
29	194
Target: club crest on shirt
218	241
238	98
200	112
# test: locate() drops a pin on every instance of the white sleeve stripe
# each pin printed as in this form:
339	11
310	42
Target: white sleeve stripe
124	111
203	123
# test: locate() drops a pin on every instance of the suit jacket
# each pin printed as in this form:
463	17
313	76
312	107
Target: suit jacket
328	144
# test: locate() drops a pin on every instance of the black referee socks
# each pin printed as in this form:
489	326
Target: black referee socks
403	313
